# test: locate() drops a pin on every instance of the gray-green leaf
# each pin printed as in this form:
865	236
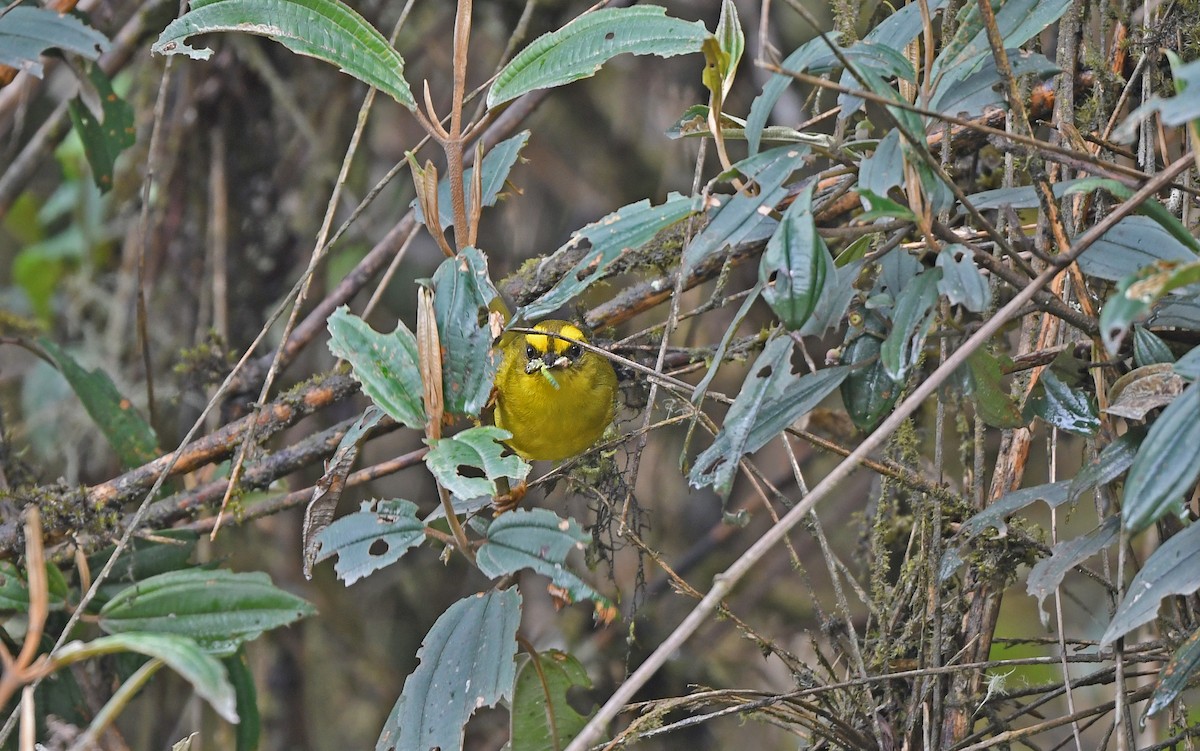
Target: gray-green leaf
466	664
328	30
580	48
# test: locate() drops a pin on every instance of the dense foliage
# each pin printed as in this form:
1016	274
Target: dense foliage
918	325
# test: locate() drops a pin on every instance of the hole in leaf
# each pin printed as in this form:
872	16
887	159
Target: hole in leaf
609	36
481	316
470	470
765	372
378	548
580	699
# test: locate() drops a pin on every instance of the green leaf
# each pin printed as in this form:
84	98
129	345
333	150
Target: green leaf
969	96
375	536
1062	406
249	727
325	29
14	588
26	32
474	447
993	402
105	138
881	207
884	168
536	539
1176	675
835	298
910	324
219	609
868	392
1148	349
611	239
1119	314
1172	111
542	718
793	267
580	48
169	550
1150	207
1109	465
895	32
199	668
743	216
760	109
1047	575
385	364
771	398
1131	245
732	43
1173	569
962	282
1017	20
496	167
129	435
462	292
1054	494
1023	197
1167	464
1188	366
466	663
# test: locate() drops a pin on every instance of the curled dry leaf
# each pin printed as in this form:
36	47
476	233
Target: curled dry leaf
1143	389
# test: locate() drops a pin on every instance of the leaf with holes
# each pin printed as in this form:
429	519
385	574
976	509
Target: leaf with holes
477	450
1173	569
579	49
1167	464
377	535
962	282
540	540
466	664
542	717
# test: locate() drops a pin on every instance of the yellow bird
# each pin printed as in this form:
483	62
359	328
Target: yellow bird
554	396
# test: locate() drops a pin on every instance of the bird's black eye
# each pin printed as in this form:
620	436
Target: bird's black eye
573	351
531	352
